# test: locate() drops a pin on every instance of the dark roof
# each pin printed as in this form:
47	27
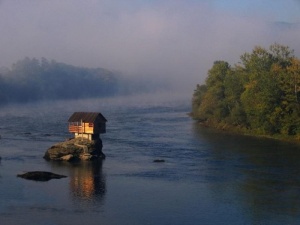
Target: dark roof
87	117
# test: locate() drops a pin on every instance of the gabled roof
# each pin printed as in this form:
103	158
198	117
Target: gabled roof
86	117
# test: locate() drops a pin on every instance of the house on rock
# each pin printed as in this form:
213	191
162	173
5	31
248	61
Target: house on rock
87	125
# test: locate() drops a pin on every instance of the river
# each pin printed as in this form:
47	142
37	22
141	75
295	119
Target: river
208	177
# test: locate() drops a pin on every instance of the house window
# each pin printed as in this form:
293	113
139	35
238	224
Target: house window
91	124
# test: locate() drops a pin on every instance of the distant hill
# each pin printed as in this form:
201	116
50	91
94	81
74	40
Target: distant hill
285	25
33	80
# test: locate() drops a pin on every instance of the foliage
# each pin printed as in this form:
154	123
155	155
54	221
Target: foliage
32	80
261	94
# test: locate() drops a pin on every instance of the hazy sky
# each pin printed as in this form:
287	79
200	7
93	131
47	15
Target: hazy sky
178	40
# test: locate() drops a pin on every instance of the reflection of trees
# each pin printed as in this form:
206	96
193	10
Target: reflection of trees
260	176
87	181
276	196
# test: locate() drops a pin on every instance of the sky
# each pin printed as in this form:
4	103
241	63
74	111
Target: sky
177	40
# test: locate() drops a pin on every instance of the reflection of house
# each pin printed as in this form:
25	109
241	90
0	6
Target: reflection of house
88	182
87	124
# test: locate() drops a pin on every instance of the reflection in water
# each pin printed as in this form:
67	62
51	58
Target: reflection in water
87	181
263	175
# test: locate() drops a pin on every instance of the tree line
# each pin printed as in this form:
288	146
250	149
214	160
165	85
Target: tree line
34	79
258	95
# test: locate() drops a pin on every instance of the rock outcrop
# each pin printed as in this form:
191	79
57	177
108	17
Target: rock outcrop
158	160
40	176
75	149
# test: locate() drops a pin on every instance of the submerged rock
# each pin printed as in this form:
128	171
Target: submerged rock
75	149
158	160
40	176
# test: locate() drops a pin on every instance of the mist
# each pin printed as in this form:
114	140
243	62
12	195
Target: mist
171	40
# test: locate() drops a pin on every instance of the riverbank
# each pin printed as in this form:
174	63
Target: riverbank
239	130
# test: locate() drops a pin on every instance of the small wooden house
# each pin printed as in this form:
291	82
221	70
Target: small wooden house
87	124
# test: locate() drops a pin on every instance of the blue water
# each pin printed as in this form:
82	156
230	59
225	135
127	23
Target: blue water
208	177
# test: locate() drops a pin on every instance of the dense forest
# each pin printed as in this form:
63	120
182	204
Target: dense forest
260	95
32	80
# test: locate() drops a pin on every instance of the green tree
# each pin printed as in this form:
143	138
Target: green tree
198	95
233	88
290	101
212	106
261	93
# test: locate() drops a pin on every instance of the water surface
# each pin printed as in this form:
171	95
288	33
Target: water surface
209	177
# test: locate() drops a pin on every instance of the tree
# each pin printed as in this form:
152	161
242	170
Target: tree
290	105
211	96
233	88
261	93
198	95
33	79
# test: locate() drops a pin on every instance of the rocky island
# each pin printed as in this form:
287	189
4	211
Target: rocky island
86	144
75	149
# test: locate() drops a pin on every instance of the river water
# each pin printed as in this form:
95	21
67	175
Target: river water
208	177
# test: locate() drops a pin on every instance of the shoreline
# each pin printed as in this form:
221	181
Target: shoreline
244	132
